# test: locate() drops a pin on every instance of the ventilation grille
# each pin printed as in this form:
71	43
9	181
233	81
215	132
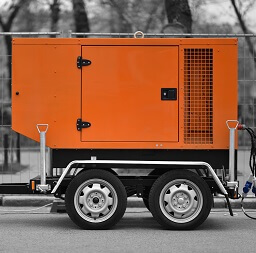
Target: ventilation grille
198	96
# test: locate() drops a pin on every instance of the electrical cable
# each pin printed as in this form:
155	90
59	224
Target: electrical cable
245	213
229	205
25	211
252	159
252	165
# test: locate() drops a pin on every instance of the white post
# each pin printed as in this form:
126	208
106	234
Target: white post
43	185
232	148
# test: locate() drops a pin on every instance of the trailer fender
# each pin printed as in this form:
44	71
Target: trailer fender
170	163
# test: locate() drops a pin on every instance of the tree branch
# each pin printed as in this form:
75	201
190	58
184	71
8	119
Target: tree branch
6	26
2	23
244	28
248	7
151	16
178	13
120	11
14	12
80	16
239	16
55	14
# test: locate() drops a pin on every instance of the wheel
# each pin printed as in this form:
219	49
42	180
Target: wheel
95	199
180	200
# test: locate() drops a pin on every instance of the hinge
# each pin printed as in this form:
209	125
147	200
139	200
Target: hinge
82	62
82	124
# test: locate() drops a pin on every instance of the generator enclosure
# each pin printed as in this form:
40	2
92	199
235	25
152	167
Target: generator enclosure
127	98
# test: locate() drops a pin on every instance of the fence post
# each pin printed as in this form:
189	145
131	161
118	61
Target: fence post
18	148
6	147
61	34
65	34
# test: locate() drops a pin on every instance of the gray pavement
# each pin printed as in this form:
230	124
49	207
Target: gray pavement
40	200
136	232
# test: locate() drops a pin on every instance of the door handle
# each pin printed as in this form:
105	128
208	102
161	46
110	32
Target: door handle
168	93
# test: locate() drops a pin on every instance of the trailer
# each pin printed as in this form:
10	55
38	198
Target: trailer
151	103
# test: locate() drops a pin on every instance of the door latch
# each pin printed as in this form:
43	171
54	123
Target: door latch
82	62
82	124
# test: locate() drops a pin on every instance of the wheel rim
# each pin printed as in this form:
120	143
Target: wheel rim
95	200
181	201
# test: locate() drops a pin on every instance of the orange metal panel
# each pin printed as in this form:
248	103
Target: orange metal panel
125	41
121	93
48	82
225	96
49	87
226	90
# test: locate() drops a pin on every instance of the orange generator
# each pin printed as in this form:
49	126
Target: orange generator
157	103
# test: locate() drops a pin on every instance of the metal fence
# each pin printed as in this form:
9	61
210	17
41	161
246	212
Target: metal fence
19	156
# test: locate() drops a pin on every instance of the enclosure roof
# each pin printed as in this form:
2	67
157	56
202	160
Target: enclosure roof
124	41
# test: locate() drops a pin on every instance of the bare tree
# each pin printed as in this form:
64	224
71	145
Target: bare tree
80	16
155	9
178	15
55	14
6	26
129	16
126	22
243	27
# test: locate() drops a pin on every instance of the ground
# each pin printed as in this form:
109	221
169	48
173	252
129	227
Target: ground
136	232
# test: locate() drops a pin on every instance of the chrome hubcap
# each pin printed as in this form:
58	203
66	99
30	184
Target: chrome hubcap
181	200
95	200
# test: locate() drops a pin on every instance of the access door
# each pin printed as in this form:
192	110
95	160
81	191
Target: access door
130	93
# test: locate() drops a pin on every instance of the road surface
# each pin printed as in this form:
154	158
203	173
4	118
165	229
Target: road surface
136	232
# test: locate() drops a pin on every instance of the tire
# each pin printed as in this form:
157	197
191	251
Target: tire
95	199
180	200
147	188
